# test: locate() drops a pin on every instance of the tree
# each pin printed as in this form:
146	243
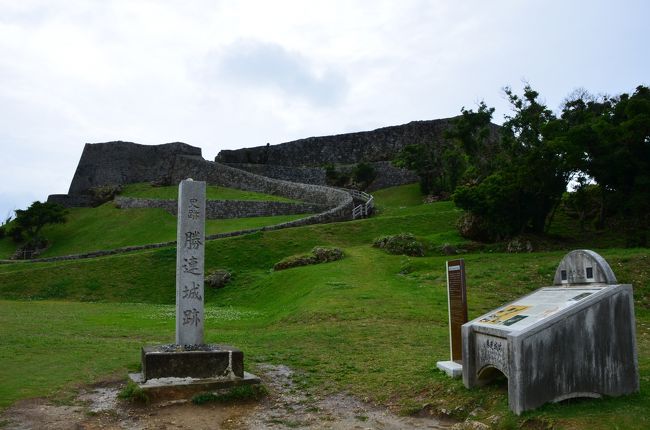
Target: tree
527	178
29	222
475	134
613	134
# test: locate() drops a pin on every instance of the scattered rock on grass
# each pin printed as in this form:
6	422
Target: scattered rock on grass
218	279
519	245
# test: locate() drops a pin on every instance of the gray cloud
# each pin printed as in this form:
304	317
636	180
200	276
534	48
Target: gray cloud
268	65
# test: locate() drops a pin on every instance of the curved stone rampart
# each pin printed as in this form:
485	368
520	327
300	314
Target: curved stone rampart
387	175
219	174
226	209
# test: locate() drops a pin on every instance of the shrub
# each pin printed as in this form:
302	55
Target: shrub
400	244
335	177
319	254
324	255
133	393
364	174
104	193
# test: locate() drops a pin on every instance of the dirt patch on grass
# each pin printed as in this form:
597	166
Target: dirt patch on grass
286	407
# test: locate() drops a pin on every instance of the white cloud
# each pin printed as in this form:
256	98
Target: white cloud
262	66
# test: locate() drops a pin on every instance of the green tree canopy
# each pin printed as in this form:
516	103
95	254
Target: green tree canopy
613	137
29	222
527	178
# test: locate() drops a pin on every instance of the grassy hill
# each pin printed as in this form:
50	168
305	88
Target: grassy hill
372	324
106	227
212	192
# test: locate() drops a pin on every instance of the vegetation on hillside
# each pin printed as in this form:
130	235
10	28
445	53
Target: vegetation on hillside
106	227
372	324
28	225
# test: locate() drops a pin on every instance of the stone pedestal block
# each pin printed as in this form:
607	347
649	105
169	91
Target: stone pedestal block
188	361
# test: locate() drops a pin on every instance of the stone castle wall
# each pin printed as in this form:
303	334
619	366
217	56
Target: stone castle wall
225	209
387	174
382	144
305	175
118	163
219	174
71	201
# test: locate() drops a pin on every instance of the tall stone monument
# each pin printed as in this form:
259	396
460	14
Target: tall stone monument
190	258
190	365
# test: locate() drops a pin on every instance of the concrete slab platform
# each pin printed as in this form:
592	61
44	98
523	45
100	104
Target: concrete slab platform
451	368
184	388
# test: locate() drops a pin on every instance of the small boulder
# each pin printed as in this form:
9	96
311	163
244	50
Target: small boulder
218	279
519	245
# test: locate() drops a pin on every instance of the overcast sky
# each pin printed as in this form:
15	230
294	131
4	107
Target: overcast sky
233	74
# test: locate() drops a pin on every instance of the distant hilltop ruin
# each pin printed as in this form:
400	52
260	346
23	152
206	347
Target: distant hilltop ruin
314	160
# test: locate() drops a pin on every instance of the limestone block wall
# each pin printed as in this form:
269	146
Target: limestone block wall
118	163
219	174
381	144
387	174
225	209
68	201
305	175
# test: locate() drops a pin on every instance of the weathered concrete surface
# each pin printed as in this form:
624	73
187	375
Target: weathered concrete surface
203	361
166	389
583	347
583	266
451	368
190	259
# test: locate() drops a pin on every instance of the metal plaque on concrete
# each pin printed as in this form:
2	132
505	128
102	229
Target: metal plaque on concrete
190	253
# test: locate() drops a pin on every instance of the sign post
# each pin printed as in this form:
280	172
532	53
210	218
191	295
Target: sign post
457	302
457	305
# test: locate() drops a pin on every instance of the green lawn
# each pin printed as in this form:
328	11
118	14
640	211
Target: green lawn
371	324
213	192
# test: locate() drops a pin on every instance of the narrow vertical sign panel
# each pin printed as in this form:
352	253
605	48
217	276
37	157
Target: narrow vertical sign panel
190	254
457	302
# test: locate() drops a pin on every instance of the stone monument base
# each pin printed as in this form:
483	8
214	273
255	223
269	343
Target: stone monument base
178	371
451	368
184	388
193	361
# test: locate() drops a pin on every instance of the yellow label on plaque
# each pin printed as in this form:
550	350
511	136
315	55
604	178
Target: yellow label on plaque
500	316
